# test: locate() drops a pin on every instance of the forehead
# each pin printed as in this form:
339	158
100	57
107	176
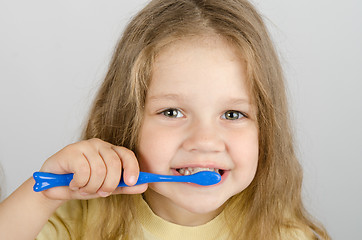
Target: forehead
203	42
207	63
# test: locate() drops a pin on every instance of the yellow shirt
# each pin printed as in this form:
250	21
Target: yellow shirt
156	228
61	224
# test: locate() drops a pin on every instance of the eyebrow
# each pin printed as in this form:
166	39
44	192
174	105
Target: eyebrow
238	101
168	96
177	97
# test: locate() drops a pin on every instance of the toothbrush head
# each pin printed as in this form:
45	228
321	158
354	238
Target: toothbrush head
206	178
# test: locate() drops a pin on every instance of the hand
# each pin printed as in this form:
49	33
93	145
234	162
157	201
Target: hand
97	168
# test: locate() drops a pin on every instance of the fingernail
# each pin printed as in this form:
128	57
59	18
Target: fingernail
132	180
84	193
103	194
74	188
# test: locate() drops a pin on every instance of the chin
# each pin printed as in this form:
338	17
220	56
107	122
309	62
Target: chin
188	199
197	205
205	209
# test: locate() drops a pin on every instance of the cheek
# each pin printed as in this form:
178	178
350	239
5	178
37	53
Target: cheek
244	150
244	153
156	148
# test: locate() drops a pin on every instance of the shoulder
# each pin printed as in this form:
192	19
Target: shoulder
297	234
65	221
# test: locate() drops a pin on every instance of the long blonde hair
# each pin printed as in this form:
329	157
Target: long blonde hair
272	203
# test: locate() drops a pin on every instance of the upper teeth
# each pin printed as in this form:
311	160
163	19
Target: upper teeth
189	170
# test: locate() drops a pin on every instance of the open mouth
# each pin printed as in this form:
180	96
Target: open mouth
190	170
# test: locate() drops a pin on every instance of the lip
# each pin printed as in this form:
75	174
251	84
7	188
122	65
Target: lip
201	165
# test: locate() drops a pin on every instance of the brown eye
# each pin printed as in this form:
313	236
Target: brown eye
172	113
232	115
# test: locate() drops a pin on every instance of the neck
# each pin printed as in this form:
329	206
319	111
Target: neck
173	213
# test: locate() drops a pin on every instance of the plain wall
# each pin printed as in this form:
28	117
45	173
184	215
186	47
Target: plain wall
54	54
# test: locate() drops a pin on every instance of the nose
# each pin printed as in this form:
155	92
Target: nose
204	138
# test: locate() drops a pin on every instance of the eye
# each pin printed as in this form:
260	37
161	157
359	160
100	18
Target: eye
232	115
172	113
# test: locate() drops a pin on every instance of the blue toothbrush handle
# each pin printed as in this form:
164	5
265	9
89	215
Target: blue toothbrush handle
146	177
44	180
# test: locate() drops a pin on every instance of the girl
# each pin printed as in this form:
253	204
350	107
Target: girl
193	85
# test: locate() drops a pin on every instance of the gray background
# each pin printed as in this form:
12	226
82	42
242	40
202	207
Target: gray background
53	55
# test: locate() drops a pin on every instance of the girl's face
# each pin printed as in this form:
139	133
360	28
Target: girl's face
198	114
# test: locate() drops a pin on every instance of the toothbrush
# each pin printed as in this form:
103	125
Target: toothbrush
44	180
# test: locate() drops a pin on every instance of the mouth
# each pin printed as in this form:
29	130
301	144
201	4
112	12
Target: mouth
192	170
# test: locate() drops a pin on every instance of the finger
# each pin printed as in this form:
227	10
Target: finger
138	189
98	172
129	163
81	169
114	170
131	190
58	193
